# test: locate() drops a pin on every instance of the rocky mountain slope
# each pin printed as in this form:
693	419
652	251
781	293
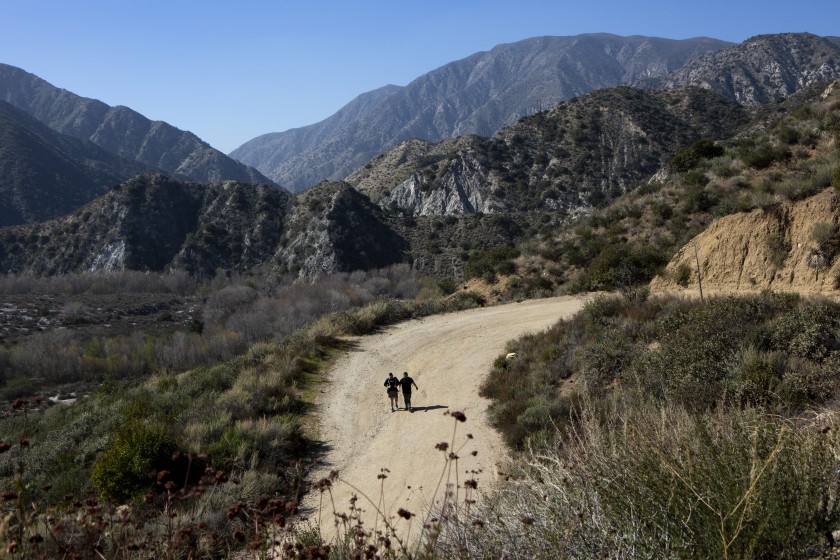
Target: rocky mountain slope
121	131
761	195
476	95
44	174
579	154
155	223
598	193
761	69
430	205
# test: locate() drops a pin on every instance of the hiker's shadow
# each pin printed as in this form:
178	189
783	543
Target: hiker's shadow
431	407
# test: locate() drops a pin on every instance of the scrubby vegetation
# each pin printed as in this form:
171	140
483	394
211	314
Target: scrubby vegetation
223	318
670	428
240	419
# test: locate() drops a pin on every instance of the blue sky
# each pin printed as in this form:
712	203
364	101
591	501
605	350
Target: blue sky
230	71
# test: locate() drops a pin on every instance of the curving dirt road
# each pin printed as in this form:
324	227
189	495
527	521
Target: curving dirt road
448	356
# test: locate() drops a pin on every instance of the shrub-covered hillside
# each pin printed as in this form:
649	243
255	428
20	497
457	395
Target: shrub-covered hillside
790	152
669	429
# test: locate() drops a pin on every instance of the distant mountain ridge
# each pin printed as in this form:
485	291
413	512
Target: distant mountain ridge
44	174
580	153
420	203
120	130
476	95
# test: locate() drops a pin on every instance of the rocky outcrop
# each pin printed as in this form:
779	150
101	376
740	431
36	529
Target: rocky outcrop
462	190
154	223
121	131
760	69
788	247
477	95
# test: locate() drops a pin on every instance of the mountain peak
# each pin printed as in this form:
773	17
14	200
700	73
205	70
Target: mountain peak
120	130
476	95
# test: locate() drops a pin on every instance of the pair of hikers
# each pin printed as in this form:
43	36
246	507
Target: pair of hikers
391	383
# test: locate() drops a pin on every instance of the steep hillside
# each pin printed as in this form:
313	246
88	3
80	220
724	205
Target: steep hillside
759	179
121	131
476	95
44	174
761	69
155	223
149	223
582	153
334	228
789	247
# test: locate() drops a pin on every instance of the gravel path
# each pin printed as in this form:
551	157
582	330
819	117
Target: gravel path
448	356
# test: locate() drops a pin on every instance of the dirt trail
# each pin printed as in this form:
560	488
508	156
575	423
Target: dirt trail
448	356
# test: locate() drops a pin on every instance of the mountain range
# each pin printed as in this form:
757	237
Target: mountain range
476	95
124	132
761	69
430	204
44	174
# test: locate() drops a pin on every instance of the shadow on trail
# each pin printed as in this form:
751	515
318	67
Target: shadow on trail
428	408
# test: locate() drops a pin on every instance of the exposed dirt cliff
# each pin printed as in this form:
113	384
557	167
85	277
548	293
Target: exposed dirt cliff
786	247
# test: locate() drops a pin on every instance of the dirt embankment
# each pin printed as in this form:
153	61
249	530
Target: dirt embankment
772	248
448	356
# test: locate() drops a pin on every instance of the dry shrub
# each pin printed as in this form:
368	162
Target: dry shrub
654	481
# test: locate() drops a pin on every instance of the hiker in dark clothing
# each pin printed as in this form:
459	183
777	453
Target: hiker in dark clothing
391	383
406	382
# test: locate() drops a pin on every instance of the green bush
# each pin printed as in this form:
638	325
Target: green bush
763	155
689	157
624	267
121	471
789	135
809	331
496	260
779	249
682	275
695	177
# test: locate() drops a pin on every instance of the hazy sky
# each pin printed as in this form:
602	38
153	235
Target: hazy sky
230	71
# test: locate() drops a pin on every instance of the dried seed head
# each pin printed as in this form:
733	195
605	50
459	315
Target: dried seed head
459	416
323	484
405	514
